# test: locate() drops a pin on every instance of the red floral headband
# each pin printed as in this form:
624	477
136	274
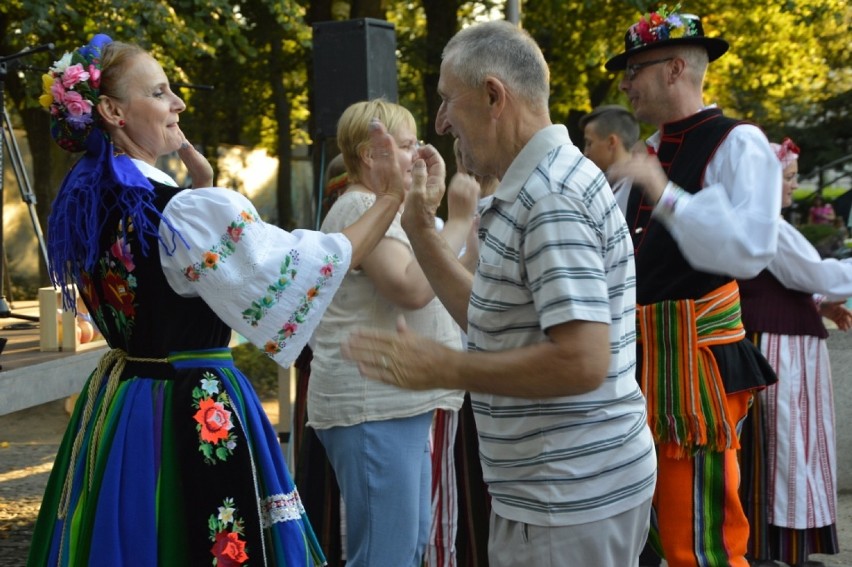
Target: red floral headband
787	152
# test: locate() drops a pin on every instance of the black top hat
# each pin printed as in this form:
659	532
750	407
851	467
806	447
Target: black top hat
662	29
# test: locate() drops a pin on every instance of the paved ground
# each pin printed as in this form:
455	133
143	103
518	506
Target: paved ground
29	440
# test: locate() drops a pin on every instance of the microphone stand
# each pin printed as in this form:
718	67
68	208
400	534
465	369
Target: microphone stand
8	139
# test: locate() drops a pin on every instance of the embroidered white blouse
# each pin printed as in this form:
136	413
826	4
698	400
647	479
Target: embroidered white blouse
269	285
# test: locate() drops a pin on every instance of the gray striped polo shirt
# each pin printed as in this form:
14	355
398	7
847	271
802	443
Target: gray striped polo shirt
554	247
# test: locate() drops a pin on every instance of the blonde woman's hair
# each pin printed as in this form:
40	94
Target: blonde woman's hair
353	129
115	59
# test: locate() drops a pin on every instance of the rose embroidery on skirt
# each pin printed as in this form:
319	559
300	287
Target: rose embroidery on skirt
225	530
213	419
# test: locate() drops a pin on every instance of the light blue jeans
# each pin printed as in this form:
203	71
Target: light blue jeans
384	472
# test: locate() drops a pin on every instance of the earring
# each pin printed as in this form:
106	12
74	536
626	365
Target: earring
121	123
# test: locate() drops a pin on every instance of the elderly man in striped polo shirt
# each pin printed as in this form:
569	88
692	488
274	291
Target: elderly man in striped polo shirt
550	315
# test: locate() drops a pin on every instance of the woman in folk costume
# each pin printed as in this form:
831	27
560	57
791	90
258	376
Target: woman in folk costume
169	458
789	487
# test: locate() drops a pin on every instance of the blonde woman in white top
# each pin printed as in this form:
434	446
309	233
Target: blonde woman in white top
377	435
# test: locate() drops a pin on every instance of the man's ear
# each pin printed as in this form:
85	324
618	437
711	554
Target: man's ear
612	142
678	68
496	91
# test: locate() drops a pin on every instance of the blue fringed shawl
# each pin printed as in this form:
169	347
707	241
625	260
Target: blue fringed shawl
97	185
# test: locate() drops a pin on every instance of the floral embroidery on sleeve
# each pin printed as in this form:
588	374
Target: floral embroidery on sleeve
226	246
213	420
260	307
225	530
300	315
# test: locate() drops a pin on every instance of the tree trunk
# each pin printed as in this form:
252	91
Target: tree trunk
441	25
281	102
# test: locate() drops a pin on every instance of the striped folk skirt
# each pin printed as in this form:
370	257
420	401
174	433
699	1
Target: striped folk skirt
789	463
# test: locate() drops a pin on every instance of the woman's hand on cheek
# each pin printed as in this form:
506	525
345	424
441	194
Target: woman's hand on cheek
197	166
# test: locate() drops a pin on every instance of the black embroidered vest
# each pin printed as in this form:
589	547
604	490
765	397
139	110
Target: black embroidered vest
662	272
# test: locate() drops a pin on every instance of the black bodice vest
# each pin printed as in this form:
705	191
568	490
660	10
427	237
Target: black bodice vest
769	307
662	272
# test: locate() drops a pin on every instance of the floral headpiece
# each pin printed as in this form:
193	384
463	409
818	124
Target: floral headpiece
71	90
102	184
666	27
787	152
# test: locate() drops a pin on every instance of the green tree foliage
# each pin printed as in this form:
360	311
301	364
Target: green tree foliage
577	38
261	370
810	100
788	70
251	52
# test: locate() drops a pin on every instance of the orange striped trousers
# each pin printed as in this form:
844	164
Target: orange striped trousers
699	520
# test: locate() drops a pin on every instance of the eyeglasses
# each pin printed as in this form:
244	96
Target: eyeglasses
631	71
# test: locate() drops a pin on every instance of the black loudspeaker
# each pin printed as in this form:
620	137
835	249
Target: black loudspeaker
354	60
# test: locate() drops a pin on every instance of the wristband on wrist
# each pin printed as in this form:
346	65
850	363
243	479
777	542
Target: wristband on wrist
668	200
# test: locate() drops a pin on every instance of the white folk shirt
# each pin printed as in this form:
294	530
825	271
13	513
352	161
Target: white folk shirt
730	226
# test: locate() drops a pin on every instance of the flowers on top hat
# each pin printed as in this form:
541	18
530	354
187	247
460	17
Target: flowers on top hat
662	28
70	92
661	25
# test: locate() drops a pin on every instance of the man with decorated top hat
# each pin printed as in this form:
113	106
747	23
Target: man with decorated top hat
707	213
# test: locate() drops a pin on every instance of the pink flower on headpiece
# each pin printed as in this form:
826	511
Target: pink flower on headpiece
95	76
76	104
58	92
73	75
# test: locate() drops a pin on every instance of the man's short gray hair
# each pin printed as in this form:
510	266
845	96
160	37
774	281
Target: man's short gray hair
697	61
505	51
